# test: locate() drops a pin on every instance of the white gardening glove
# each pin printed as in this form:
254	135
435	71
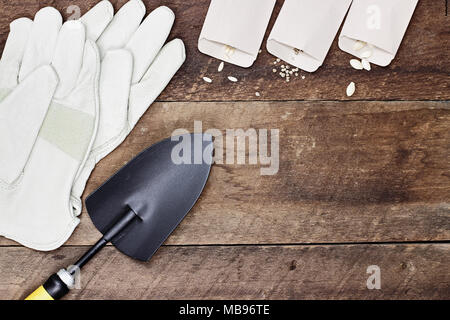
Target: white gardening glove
48	121
135	70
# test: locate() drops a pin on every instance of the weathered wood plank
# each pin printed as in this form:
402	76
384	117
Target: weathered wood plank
349	172
420	71
285	272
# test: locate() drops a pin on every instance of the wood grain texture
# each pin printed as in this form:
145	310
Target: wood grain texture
288	272
349	172
419	72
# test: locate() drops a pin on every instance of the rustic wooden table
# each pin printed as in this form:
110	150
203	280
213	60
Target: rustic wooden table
362	181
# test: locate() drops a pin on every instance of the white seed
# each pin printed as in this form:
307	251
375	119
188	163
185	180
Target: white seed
283	66
359	45
303	77
274	62
351	89
233	79
282	74
296	74
206	79
356	64
274	70
366	64
257	94
366	54
221	65
260	51
229	51
278	60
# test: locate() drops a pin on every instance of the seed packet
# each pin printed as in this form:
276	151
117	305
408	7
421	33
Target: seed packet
304	31
234	30
374	30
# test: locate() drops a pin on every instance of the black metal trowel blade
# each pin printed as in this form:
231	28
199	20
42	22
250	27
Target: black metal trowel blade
157	188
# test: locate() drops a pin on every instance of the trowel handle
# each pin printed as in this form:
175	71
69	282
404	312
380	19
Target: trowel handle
53	289
59	284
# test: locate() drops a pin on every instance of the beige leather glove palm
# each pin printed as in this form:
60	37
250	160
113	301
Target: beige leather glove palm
136	68
48	121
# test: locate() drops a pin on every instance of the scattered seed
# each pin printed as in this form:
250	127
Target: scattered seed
282	74
229	51
260	51
303	77
221	65
233	79
206	79
296	74
351	89
366	54
278	60
257	94
274	70
356	64
366	64
359	45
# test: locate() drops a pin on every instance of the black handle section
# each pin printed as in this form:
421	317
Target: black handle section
55	287
108	236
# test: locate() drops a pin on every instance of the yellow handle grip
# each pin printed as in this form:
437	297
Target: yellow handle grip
40	294
53	289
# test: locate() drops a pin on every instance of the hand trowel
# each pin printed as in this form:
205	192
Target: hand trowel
141	205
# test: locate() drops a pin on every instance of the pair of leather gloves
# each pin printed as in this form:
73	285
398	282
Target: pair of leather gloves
70	93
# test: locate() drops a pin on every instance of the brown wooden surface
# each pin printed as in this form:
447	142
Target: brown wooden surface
349	172
360	182
242	272
419	72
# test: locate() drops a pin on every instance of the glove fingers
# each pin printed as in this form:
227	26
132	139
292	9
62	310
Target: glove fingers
41	44
68	56
13	53
115	84
73	123
97	19
84	97
122	27
21	116
158	76
148	40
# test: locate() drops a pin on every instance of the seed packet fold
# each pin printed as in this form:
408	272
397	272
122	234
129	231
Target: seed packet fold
234	30
305	30
374	29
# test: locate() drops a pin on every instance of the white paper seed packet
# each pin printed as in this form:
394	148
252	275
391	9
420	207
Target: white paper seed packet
305	30
374	29
234	30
